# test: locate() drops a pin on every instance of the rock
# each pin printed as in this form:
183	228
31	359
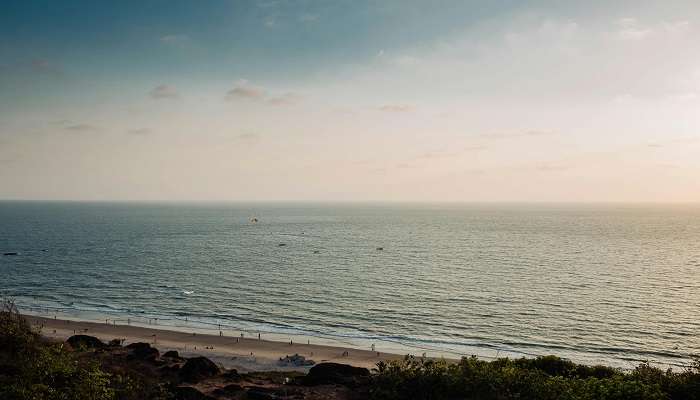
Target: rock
261	393
228	390
295	360
189	393
85	341
198	368
171	368
334	373
171	354
138	345
142	351
231	374
12	253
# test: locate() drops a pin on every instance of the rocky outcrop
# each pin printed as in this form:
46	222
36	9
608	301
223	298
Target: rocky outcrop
333	373
262	393
188	393
228	390
295	361
198	368
85	342
171	354
142	351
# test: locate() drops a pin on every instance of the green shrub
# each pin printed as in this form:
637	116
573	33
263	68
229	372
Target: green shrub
542	378
35	369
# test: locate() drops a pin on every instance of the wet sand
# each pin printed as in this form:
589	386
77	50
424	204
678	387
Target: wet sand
244	354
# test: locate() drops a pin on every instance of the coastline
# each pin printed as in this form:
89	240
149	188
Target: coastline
244	354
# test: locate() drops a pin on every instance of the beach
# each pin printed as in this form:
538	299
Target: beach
244	354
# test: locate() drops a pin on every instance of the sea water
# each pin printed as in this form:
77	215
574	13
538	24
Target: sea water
612	284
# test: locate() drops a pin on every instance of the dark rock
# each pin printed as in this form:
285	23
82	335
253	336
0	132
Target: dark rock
228	390
138	345
231	374
198	368
334	373
189	393
12	253
142	351
85	341
296	361
261	393
171	368
171	354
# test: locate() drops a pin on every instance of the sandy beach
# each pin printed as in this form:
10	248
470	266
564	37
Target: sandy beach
244	354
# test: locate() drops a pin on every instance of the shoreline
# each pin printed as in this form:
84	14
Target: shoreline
242	353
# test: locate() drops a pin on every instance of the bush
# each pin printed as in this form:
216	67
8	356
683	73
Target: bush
34	369
541	378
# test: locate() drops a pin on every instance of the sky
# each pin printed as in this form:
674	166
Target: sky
450	101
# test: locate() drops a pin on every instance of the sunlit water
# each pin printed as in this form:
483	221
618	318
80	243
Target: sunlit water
597	284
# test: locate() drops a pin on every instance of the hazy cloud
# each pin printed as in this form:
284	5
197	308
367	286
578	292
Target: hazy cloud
245	92
249	138
551	167
140	131
396	108
512	135
270	22
406	166
82	128
174	39
37	66
164	92
306	17
283	100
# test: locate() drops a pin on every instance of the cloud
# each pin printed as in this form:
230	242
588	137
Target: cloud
175	39
164	92
245	92
140	131
551	167
306	17
514	135
82	128
629	29
270	22
284	100
396	108
249	137
44	66
406	166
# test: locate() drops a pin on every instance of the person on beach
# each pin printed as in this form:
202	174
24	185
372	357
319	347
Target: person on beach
372	346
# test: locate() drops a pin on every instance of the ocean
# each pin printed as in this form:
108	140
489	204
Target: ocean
611	284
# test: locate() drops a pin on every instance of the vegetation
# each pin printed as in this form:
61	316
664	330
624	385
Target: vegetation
542	378
33	368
